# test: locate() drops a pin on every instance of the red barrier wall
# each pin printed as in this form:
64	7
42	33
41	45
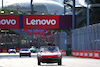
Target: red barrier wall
96	54
73	53
77	53
81	54
63	52
18	49
4	50
85	54
90	54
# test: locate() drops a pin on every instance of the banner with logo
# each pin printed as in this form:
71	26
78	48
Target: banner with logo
35	21
41	21
9	21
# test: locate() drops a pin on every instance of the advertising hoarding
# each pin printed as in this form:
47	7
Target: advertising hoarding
9	21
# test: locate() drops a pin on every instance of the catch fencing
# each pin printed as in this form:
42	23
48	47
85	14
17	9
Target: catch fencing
86	38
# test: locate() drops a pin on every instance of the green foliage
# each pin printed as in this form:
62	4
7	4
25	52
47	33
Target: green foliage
8	12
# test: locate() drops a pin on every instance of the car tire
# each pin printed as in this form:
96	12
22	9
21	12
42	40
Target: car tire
29	55
20	55
60	62
39	63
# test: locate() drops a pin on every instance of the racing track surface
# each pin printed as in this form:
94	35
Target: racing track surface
13	60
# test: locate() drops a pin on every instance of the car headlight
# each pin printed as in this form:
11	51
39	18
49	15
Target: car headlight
59	55
39	55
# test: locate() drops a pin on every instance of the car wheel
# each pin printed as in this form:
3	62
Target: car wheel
60	62
29	55
20	55
39	63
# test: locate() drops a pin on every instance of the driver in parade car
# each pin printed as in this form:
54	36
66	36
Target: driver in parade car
49	44
51	49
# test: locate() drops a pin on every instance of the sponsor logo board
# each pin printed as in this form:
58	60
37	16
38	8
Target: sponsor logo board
9	21
41	21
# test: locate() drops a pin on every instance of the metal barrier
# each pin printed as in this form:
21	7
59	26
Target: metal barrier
86	38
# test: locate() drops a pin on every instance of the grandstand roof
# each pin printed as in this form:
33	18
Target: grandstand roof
39	7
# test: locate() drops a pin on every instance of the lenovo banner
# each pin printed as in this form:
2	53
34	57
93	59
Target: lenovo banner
41	21
9	21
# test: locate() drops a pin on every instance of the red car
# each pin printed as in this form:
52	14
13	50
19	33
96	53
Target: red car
49	54
25	52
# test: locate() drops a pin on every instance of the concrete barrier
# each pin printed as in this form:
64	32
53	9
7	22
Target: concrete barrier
90	53
81	53
85	54
18	49
96	54
77	53
63	52
73	53
4	50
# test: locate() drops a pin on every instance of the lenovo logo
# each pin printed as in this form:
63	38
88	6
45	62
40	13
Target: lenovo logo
7	21
40	22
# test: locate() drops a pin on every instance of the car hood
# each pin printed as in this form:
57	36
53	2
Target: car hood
49	53
24	51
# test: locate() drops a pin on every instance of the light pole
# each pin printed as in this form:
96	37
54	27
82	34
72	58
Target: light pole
31	7
87	12
65	6
32	14
73	17
2	4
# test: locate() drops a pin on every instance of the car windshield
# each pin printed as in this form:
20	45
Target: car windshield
49	49
12	48
24	49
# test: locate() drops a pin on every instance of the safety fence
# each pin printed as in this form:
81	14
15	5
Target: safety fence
86	38
86	42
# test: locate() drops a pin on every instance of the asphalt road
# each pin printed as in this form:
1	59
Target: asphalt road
13	60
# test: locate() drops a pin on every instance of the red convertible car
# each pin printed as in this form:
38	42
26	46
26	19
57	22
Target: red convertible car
49	54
